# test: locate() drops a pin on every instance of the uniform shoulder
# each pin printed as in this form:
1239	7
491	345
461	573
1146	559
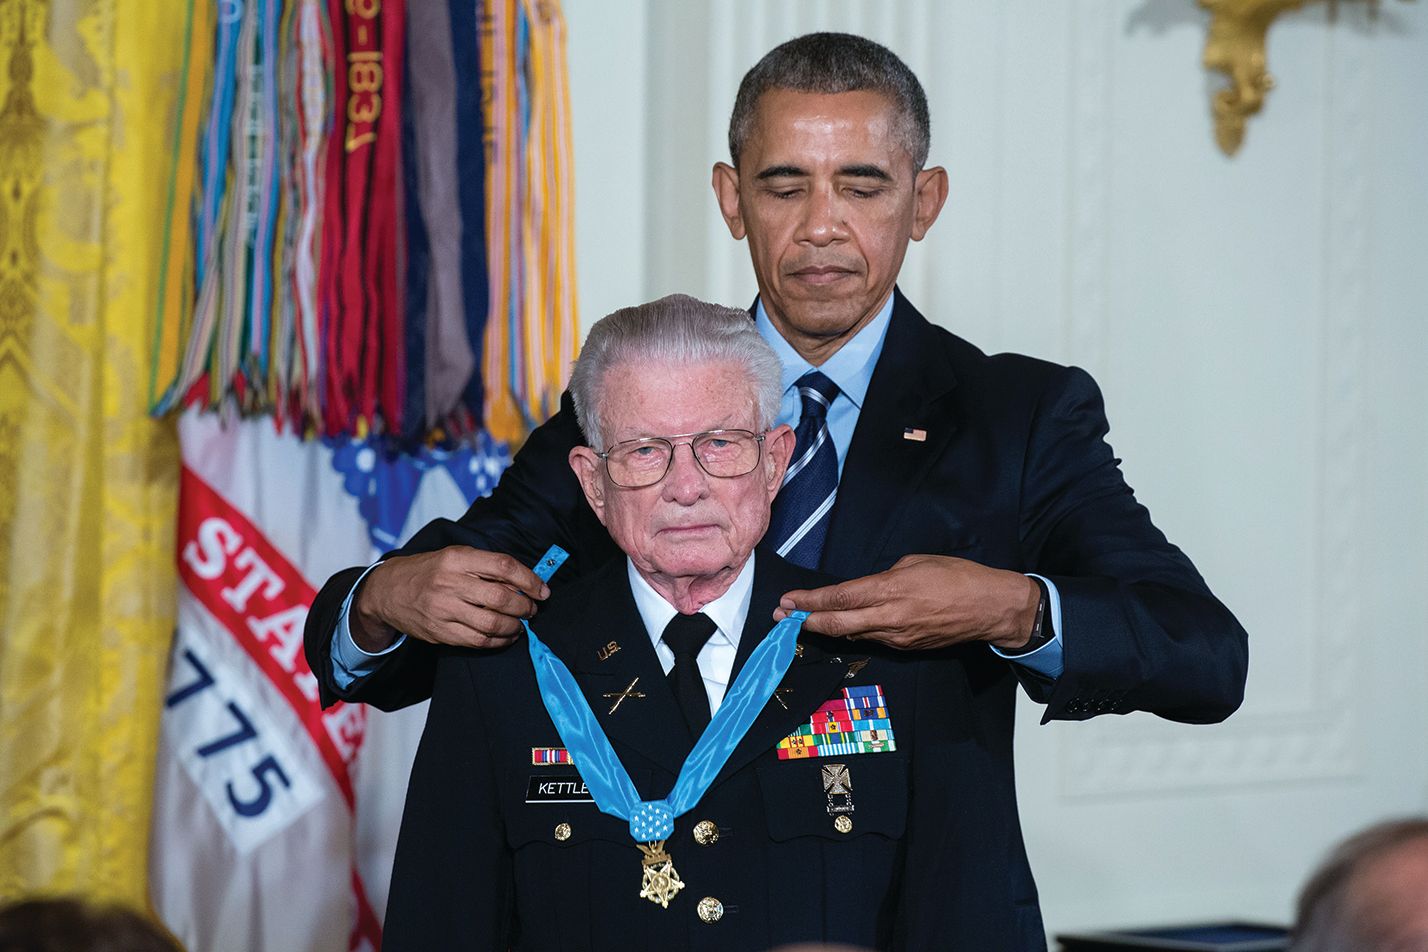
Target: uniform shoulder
572	600
774	571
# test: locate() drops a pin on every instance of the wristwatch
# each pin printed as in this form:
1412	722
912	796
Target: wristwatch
1043	631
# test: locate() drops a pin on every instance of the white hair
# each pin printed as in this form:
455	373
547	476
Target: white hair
677	329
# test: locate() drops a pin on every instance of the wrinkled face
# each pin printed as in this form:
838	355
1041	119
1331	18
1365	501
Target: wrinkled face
690	524
828	199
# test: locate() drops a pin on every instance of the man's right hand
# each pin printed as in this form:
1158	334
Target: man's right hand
454	596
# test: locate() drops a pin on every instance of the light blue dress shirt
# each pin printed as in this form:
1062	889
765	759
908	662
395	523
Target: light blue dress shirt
851	368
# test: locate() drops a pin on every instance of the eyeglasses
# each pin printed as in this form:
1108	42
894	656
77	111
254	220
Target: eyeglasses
635	464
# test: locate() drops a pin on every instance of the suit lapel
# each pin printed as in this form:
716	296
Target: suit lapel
911	387
653	724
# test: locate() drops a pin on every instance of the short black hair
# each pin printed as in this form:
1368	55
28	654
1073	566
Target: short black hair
835	63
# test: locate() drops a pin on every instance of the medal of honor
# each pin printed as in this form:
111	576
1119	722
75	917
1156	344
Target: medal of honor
661	881
652	821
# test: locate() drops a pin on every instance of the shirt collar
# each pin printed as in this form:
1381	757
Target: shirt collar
851	367
728	611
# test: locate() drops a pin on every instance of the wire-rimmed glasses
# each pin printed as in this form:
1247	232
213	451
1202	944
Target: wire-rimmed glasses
635	464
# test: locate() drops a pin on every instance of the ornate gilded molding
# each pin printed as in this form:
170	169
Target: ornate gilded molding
1236	47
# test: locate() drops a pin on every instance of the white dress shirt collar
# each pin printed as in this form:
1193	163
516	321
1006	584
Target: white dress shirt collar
728	611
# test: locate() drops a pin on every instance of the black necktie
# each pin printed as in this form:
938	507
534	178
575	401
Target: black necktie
686	635
801	509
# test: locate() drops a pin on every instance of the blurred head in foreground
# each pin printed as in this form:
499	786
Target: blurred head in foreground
1370	894
72	925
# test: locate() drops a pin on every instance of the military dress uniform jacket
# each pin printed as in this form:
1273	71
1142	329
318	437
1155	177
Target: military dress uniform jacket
493	854
1013	471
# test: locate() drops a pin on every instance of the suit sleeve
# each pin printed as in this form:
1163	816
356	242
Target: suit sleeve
1143	631
536	504
452	877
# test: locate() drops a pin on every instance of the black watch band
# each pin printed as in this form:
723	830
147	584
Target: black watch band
1043	631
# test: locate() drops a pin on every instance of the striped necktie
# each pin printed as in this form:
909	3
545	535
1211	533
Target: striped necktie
801	510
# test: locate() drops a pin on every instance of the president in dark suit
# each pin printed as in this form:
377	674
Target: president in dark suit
802	833
978	510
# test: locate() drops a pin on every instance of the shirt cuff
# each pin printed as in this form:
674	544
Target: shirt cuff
1048	659
349	662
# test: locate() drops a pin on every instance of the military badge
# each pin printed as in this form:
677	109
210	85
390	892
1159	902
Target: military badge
619	697
838	787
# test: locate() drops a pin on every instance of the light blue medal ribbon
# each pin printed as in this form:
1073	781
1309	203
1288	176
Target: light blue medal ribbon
605	777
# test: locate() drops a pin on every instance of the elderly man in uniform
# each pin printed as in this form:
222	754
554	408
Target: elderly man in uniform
791	809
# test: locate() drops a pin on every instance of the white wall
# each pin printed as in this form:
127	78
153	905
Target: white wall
1257	324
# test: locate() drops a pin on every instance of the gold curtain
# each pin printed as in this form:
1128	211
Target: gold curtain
89	91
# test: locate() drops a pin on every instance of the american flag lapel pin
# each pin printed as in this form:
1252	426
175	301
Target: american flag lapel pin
915	433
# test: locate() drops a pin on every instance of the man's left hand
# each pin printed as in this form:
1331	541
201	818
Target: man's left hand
924	601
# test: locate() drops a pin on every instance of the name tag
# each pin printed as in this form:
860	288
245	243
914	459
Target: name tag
547	788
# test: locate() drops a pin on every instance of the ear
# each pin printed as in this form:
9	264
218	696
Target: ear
929	194
778	450
726	192
587	469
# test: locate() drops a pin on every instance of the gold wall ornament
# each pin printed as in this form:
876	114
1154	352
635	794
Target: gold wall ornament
1236	47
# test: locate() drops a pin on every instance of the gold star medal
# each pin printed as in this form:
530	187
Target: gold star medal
660	882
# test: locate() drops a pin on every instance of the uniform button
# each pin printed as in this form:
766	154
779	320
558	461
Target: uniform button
843	824
710	909
706	832
562	831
